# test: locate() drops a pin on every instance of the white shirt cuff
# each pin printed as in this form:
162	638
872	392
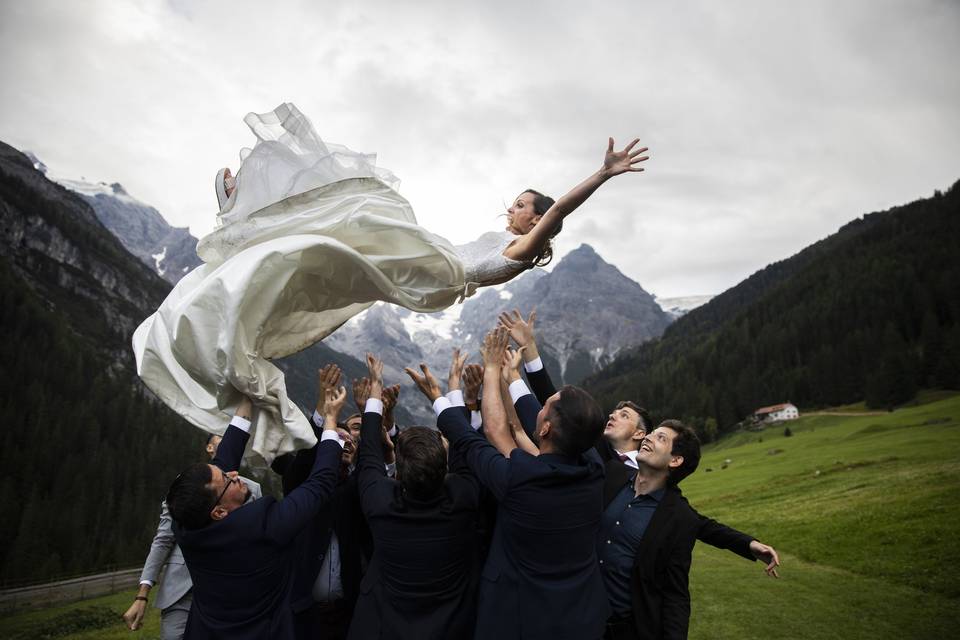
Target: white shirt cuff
240	423
330	434
375	405
534	365
393	431
456	398
317	419
440	405
149	583
476	420
518	388
391	469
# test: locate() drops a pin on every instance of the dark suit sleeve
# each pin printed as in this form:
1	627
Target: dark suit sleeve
541	384
230	450
527	409
289	516
370	465
723	537
489	465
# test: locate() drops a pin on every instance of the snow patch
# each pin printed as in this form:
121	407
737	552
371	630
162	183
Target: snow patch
440	323
505	295
158	259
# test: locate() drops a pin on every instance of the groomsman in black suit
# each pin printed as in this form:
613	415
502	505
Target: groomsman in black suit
422	578
541	578
241	556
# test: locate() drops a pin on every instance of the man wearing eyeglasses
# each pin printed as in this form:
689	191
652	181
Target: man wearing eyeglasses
175	592
241	555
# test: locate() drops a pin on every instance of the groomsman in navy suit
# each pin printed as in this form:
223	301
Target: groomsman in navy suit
541	578
240	554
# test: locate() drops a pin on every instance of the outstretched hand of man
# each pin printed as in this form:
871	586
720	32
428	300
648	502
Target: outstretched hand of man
328	377
766	553
427	383
522	332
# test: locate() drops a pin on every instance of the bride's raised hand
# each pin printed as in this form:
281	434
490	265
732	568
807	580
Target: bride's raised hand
617	162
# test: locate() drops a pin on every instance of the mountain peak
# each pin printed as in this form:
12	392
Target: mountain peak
118	189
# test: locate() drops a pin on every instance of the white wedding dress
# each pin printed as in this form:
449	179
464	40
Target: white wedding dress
313	234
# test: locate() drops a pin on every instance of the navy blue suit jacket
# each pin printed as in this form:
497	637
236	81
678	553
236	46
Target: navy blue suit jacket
422	579
242	566
541	578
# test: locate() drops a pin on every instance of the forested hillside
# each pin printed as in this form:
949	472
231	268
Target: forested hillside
87	453
870	313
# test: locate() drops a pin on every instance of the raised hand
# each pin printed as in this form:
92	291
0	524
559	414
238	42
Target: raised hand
328	377
361	393
426	383
375	369
766	553
510	365
617	162
472	379
456	369
334	400
390	395
494	346
520	330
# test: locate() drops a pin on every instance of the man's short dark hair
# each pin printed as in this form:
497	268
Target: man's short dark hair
686	444
645	420
576	421
190	498
421	462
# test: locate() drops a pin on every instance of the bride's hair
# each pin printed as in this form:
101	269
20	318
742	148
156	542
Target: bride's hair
541	203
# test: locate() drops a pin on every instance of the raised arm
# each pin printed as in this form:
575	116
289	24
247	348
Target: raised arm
495	425
288	517
490	466
528	246
523	334
230	450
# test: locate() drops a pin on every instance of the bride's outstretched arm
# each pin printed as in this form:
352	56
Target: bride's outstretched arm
528	246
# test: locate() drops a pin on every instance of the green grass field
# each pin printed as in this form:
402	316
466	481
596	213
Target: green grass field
860	509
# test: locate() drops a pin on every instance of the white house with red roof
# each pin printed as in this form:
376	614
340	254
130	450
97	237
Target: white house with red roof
777	412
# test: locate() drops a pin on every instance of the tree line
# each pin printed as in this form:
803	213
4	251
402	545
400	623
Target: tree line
871	313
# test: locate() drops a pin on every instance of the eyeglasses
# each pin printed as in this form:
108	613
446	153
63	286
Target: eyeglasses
229	480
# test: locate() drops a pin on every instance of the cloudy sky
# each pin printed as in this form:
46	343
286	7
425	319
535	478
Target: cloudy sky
770	124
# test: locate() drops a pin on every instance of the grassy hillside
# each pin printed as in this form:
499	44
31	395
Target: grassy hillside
868	544
863	510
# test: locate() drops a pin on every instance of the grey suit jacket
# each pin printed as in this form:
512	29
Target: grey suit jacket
165	554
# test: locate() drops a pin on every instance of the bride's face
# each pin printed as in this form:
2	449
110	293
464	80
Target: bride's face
521	216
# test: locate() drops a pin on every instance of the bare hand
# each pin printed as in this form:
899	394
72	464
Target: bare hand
390	395
494	346
327	378
244	409
361	393
388	454
456	369
520	330
134	615
375	368
472	379
617	162
427	383
510	367
334	400
766	553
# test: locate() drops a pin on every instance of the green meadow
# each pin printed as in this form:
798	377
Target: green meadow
863	511
862	508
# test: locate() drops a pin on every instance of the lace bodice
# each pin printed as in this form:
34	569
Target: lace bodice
484	262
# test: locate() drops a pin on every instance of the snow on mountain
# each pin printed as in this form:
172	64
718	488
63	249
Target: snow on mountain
682	305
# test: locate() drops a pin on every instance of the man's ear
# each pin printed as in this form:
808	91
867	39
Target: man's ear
675	461
545	429
219	512
638	435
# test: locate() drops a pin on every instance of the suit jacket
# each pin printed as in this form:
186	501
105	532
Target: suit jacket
242	566
340	515
541	578
659	581
422	578
165	554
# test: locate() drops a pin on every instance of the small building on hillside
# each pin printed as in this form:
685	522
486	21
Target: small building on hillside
777	412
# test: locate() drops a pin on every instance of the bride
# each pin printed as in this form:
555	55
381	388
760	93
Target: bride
310	234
